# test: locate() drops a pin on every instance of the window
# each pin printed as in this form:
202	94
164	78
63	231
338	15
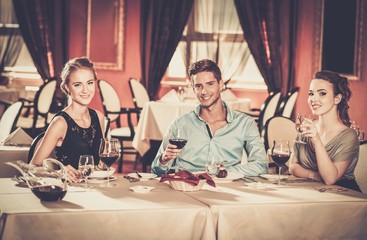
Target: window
214	32
23	66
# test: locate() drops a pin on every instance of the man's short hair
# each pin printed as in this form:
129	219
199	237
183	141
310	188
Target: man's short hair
205	65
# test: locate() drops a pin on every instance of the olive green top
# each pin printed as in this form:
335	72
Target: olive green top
343	147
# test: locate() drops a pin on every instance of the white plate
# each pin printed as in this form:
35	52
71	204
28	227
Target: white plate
273	177
144	176
141	189
101	180
102	174
230	177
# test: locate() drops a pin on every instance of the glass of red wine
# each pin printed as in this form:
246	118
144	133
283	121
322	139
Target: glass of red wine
109	152
280	153
179	139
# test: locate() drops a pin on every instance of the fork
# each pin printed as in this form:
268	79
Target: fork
332	189
140	176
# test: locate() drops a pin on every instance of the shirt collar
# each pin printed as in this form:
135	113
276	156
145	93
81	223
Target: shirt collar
230	112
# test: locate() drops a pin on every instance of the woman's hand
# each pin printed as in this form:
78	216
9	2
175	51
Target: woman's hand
309	129
73	174
315	176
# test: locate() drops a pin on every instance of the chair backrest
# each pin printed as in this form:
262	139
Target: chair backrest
107	123
44	97
34	146
138	92
9	119
268	109
110	100
279	128
288	104
361	169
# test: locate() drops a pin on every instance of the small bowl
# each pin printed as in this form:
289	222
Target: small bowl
144	176
102	173
186	187
141	189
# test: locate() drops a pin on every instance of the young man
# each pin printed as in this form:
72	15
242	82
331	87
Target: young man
212	129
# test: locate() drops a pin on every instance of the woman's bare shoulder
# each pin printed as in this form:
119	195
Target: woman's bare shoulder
57	124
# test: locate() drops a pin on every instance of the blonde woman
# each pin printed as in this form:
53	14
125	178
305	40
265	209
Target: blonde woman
77	129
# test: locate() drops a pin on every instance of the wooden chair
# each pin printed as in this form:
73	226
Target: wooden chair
113	110
287	105
361	169
139	93
267	110
41	108
9	119
34	146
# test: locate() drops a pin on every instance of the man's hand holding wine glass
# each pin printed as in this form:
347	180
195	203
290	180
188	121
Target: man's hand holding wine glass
177	141
171	152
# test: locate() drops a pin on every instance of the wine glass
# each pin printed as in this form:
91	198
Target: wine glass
86	167
179	139
212	165
280	153
299	129
109	152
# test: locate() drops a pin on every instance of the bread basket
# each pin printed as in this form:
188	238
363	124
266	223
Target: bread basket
186	187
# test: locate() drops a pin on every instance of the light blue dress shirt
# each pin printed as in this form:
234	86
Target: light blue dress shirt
228	143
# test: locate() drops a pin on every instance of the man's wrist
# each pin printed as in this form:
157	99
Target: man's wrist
163	160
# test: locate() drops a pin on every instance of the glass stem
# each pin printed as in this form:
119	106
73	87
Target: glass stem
108	176
280	170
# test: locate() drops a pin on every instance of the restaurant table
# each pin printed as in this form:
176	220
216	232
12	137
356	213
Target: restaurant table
234	210
292	211
103	213
8	154
156	116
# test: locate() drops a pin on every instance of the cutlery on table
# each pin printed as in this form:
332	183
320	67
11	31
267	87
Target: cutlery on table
132	179
140	176
333	189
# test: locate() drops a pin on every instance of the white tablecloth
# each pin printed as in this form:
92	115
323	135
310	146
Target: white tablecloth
103	213
230	211
11	153
156	117
293	211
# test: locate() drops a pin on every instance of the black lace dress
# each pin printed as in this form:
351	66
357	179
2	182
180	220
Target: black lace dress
79	141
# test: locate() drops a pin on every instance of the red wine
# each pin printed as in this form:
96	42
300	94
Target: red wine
49	193
280	159
179	142
109	159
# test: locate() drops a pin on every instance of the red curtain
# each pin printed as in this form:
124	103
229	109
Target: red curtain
269	28
42	24
162	24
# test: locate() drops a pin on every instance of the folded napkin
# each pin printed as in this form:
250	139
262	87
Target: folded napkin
18	138
171	96
188	177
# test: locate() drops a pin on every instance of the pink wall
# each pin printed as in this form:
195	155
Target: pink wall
131	58
132	63
357	111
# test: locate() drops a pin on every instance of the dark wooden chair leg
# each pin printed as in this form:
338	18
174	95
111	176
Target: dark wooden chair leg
119	168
